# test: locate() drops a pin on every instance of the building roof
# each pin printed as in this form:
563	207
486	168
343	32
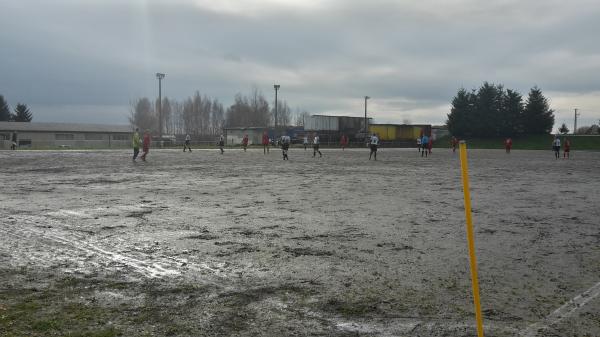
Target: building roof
358	117
62	127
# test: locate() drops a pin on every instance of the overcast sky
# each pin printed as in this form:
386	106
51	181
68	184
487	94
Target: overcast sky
86	60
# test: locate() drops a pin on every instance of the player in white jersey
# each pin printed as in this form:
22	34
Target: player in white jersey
373	143
186	145
221	143
285	146
316	143
556	147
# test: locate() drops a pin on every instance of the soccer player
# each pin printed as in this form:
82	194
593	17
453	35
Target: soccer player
221	143
316	143
187	143
305	142
13	143
454	143
373	144
419	144
567	150
508	144
344	142
265	142
146	145
245	142
285	146
424	145
556	147
136	143
430	144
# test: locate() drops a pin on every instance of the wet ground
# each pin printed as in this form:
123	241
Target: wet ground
245	244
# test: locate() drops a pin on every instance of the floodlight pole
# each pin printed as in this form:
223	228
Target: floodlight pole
276	86
575	123
160	76
366	122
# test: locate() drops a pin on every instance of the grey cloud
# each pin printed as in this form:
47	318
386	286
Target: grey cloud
412	55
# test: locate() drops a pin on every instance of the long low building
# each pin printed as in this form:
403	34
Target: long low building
64	135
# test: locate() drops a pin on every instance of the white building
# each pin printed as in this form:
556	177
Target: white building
64	135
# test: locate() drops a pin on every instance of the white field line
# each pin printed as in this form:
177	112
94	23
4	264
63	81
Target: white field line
564	311
149	269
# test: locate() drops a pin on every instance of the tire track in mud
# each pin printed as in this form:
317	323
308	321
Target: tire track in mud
152	267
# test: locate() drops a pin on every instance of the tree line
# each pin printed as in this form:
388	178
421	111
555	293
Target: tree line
593	129
493	111
200	115
21	112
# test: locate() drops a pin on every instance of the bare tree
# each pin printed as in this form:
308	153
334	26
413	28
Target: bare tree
177	124
301	117
217	117
143	116
253	111
188	116
196	113
259	109
284	114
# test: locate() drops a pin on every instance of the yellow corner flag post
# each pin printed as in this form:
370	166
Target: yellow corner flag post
470	237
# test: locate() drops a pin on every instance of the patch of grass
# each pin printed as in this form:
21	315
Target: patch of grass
108	332
46	325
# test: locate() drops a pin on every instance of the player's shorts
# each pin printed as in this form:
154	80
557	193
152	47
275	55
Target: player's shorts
373	148
316	147
556	148
567	149
187	142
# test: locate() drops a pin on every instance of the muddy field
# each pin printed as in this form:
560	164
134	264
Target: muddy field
245	244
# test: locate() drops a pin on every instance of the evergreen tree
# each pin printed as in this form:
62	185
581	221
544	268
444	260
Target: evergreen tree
512	109
5	114
493	111
22	113
538	118
461	114
488	110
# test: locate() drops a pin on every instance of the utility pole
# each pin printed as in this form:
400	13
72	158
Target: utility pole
276	86
575	123
366	122
160	77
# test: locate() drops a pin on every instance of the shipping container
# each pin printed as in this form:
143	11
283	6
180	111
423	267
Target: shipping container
399	132
422	129
407	132
386	132
322	123
352	124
